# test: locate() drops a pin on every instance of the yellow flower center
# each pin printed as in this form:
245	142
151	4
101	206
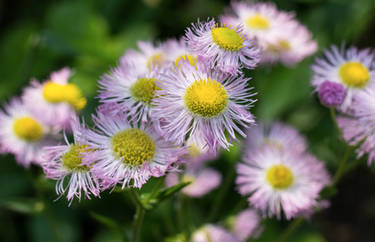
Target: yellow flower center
69	93
354	74
188	178
192	60
193	151
28	129
156	60
227	38
257	21
143	90
280	177
134	146
206	98
72	160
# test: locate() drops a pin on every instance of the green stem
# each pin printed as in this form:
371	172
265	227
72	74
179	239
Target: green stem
334	120
139	215
293	226
341	168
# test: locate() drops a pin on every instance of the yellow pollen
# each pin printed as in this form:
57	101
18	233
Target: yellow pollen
258	22
227	38
143	90
28	129
72	160
69	93
284	45
188	178
354	74
193	151
280	177
134	146
206	98
192	60
156	60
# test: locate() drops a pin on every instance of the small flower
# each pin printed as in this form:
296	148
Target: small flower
128	89
149	57
55	100
331	94
22	133
213	233
177	50
247	224
353	68
360	125
225	47
281	37
127	154
281	181
72	161
278	135
195	98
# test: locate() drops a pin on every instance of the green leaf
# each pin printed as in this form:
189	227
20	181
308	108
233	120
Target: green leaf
108	222
23	205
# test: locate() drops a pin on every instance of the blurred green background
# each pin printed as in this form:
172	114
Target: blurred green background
37	37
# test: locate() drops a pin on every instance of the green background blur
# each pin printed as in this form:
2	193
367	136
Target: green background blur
37	37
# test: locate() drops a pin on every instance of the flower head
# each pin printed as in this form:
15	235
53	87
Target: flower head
195	98
281	181
55	100
213	233
129	90
247	224
331	94
74	162
22	133
225	47
352	68
128	154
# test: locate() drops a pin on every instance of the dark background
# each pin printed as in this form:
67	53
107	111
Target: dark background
37	37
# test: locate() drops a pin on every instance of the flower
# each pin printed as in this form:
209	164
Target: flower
177	50
128	89
213	233
74	161
353	68
127	154
279	181
247	224
331	94
281	37
55	100
359	126
22	133
224	46
149	57
195	98
278	135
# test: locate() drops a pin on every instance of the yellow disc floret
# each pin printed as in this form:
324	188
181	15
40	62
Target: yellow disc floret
227	38
28	129
206	98
192	60
69	93
72	160
354	74
280	177
257	21
156	60
134	146
143	90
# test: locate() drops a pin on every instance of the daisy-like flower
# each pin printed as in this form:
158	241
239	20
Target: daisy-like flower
225	47
361	126
129	89
278	135
149	57
195	98
73	162
280	181
203	179
127	154
22	133
353	68
280	36
247	224
177	50
55	100
213	233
